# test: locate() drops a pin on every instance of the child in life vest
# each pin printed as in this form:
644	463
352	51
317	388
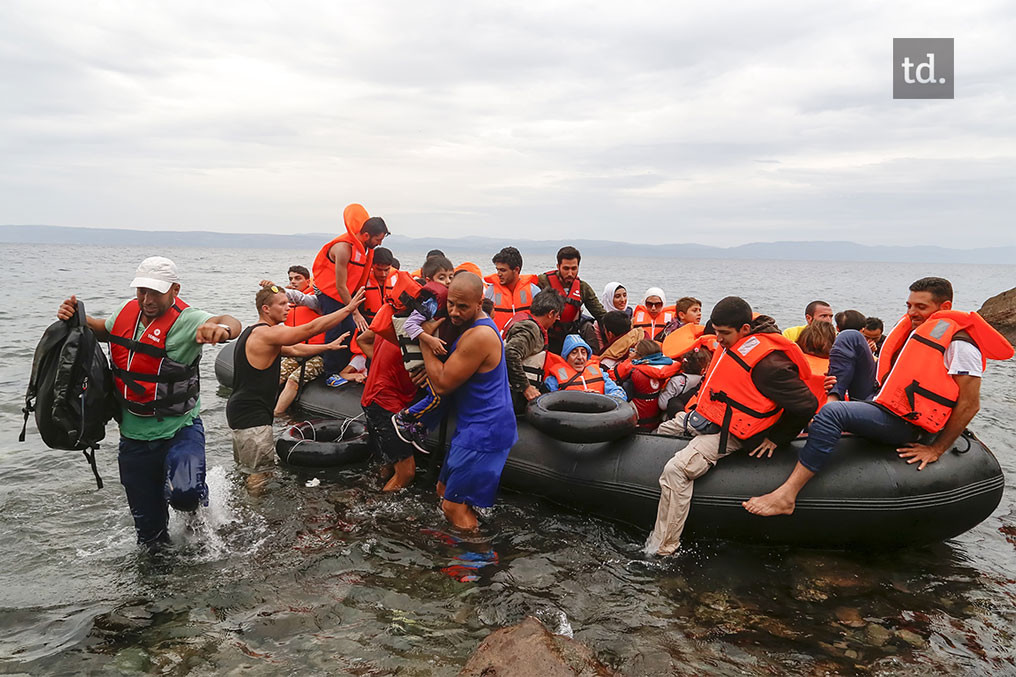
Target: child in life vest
430	304
682	386
689	311
644	377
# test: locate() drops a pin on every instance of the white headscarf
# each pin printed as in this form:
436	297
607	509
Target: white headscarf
608	295
655	291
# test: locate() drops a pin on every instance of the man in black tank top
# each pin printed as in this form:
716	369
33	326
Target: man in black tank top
256	366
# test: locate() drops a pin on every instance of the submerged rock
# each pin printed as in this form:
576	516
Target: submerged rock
1000	312
529	649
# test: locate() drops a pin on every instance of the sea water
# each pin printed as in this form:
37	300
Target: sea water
339	579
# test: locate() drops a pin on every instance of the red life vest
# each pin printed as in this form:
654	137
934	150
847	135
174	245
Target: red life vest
145	380
507	302
572	296
302	315
915	383
648	381
729	398
816	382
360	259
589	379
682	340
641	318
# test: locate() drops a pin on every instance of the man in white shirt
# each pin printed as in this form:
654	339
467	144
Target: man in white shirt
878	419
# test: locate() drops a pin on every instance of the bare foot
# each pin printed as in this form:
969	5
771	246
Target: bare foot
774	503
396	483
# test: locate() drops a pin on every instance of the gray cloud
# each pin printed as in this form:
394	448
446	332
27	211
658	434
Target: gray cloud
654	121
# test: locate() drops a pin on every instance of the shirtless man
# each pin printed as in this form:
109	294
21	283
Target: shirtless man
257	362
475	371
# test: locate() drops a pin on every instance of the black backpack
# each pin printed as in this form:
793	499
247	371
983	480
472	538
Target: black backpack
71	389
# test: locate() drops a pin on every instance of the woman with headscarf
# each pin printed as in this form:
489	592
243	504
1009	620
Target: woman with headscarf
615	297
653	314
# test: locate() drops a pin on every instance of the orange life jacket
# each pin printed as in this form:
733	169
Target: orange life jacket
915	383
816	382
648	381
302	315
589	379
682	340
375	294
471	267
145	380
507	302
404	289
572	297
705	342
729	398
641	318
360	259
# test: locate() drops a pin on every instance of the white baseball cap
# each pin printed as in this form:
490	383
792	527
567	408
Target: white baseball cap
156	272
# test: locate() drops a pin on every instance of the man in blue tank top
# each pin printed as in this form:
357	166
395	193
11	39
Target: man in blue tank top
476	379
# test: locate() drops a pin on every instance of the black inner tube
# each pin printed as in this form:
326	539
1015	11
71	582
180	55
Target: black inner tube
582	405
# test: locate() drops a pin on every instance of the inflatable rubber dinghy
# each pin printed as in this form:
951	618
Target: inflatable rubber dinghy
867	497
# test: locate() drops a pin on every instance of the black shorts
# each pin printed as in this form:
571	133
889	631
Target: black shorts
386	445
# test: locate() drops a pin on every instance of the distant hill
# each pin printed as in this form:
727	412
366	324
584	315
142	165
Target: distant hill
792	251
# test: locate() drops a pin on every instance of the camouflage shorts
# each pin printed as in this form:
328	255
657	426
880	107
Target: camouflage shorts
291	369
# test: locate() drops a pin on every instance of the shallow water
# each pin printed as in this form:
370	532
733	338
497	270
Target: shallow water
339	579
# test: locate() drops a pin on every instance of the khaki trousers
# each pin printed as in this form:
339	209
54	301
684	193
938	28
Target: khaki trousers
676	484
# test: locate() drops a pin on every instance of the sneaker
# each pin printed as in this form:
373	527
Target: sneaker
410	432
419	435
334	381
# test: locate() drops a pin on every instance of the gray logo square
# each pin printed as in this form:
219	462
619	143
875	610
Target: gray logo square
923	68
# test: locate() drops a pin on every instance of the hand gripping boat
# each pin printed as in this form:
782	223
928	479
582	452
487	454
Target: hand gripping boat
867	497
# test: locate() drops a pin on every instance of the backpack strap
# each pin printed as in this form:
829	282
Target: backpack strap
90	457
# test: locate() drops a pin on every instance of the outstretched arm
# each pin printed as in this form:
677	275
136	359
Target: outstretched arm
218	329
312	349
281	335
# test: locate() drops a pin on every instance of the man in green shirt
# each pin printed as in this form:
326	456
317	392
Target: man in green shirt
155	345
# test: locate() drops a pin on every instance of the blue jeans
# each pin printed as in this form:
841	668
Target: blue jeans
336	360
853	365
159	473
861	418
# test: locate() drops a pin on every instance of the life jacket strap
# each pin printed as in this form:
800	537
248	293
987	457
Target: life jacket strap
928	342
138	346
148	408
734	404
915	389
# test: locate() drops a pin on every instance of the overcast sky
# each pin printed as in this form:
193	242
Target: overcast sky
717	123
